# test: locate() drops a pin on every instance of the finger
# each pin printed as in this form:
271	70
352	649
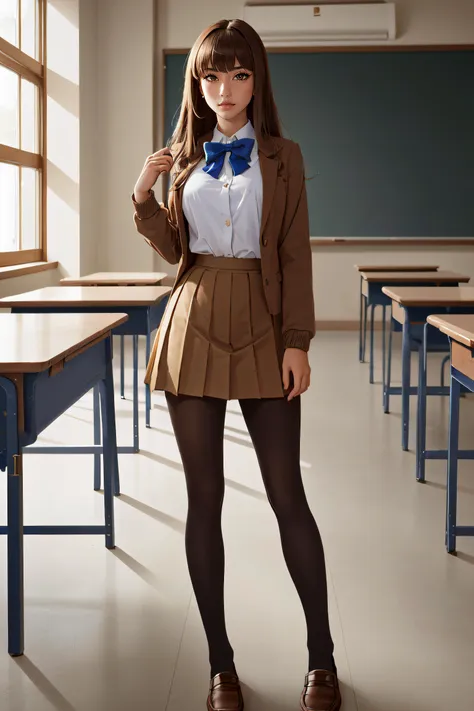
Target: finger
159	161
286	377
296	387
160	156
159	165
305	383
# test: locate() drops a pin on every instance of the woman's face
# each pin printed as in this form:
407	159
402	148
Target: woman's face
228	93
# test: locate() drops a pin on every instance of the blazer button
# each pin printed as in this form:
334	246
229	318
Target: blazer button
266	282
265	242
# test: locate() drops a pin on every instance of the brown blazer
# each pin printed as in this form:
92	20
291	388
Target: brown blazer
284	237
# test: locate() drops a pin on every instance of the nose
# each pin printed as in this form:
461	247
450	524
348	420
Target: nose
225	90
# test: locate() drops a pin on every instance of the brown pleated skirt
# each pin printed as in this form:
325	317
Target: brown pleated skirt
217	337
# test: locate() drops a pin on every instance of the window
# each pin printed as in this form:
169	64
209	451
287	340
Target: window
22	131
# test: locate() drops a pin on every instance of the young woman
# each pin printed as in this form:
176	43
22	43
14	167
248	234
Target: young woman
238	325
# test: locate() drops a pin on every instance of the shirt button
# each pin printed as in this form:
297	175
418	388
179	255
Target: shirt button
226	185
227	222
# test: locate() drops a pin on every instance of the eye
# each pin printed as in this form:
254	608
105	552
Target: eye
242	74
210	75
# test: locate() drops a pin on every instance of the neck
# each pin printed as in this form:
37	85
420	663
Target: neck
230	127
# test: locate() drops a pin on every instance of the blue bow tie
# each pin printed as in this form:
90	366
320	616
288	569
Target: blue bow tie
239	156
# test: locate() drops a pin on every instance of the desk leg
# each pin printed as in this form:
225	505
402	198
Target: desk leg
96	416
406	365
364	332
135	394
15	523
452	489
122	367
384	321
371	364
445	360
109	438
421	407
147	387
361	311
387	384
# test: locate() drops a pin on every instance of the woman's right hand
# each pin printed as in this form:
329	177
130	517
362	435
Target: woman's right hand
159	162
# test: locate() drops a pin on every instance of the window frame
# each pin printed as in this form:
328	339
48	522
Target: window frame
34	71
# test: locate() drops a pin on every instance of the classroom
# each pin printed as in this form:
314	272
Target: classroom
99	611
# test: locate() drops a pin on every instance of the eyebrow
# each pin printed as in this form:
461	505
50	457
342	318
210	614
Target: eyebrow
210	69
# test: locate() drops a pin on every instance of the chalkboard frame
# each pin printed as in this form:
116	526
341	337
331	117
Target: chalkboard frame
376	48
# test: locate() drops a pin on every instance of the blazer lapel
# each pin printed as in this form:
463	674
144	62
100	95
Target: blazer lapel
269	169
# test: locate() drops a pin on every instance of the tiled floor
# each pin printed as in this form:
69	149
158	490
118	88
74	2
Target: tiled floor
120	631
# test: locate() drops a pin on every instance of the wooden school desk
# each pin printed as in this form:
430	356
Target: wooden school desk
142	304
410	307
122	279
47	363
460	331
381	268
372	283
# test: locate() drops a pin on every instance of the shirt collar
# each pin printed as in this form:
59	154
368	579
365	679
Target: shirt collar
246	131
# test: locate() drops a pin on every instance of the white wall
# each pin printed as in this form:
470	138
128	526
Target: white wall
125	75
89	138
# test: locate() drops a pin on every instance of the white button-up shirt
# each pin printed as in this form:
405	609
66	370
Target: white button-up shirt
224	214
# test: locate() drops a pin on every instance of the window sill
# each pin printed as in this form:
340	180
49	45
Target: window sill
18	270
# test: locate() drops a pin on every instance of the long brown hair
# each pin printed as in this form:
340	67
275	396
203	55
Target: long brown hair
218	46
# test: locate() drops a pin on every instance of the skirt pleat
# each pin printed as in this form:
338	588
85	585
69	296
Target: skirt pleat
217	338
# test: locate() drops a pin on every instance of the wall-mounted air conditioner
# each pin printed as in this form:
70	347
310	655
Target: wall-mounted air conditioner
306	25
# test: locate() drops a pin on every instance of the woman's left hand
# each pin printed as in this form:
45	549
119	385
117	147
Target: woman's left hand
295	362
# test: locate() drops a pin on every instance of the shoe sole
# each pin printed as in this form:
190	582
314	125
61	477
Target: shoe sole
241	708
336	707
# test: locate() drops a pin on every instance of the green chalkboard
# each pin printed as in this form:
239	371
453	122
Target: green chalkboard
387	137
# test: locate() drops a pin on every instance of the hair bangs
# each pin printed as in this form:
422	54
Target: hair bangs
219	51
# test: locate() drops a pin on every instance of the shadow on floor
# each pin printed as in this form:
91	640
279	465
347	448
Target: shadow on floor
44	686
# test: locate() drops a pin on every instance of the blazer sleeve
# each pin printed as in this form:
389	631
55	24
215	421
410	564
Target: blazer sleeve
159	227
296	260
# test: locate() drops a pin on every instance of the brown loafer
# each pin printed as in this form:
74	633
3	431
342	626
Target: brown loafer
225	693
321	692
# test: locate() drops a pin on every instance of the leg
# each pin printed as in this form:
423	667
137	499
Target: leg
122	368
364	334
15	559
406	365
421	411
386	405
445	360
384	320
96	415
274	426
109	439
136	446
147	387
453	443
198	424
371	364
